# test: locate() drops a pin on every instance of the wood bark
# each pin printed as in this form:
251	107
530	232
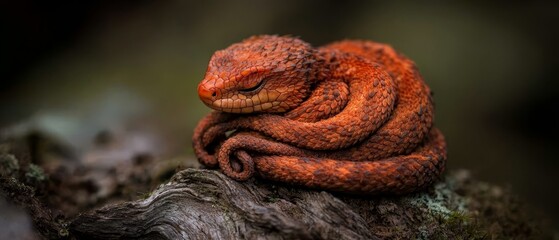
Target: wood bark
205	204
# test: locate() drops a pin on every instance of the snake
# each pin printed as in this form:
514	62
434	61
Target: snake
351	116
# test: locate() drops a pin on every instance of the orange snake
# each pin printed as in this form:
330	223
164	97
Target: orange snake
351	116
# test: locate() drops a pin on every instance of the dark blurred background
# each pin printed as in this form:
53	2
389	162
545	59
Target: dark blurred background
492	65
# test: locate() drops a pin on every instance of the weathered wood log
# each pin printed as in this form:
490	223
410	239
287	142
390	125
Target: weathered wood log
205	204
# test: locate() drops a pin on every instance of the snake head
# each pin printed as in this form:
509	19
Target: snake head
259	74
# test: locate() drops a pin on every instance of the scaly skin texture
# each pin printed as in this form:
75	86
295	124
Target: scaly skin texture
352	116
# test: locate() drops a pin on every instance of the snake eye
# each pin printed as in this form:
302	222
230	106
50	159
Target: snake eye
255	87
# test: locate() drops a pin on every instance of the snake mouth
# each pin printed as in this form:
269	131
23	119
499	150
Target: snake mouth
263	101
241	105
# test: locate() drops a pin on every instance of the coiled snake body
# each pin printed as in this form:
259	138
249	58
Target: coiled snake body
352	116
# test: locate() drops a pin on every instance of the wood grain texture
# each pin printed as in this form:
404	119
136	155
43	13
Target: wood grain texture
205	204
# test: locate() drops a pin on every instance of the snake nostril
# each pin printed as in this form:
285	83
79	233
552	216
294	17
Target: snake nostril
207	93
